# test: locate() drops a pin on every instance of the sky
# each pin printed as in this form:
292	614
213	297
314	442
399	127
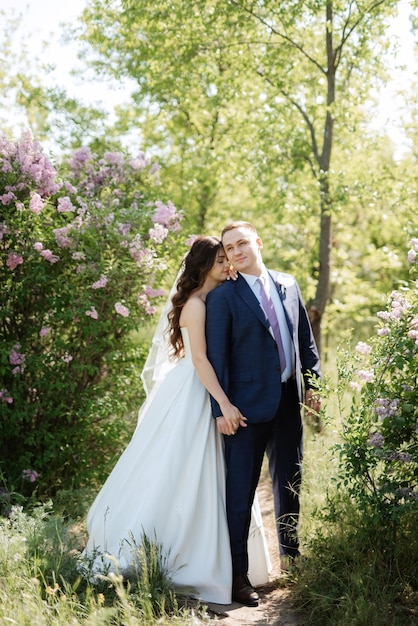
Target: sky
41	22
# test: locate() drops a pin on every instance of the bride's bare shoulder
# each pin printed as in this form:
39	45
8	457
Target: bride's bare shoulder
193	310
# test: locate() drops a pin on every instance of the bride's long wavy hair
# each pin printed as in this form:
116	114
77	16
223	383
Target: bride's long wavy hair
196	265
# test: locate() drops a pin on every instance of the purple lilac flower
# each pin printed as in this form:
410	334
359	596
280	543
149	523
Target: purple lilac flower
376	440
5	396
402	457
69	187
190	240
121	309
13	260
158	233
386	407
15	357
413	252
61	236
366	375
92	313
167	215
140	162
124	229
142	256
384	315
78	256
48	256
65	205
37	167
154	293
80	158
114	158
7	198
363	348
30	475
144	302
36	203
413	330
412	256
99	284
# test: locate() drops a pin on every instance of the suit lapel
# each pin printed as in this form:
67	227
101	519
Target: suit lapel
285	298
245	293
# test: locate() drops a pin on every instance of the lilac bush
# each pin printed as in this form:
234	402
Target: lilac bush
379	451
82	254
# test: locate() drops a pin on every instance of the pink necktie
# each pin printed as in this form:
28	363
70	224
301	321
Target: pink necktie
268	307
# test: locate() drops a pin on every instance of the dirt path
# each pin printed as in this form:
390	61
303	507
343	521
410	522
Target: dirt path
275	607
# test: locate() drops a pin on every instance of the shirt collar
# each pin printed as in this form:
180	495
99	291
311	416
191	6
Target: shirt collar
251	279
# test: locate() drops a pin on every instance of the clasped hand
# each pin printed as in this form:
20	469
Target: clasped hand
231	419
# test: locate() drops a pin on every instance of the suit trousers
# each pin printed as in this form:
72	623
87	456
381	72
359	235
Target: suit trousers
285	455
281	437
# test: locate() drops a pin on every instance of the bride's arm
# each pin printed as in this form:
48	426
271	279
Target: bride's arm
193	317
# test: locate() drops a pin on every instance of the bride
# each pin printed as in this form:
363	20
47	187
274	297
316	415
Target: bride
169	483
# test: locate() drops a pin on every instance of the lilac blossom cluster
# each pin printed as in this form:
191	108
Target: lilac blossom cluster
101	201
413	251
24	166
88	178
30	475
5	397
386	416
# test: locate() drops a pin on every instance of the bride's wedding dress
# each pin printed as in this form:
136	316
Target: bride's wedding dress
169	484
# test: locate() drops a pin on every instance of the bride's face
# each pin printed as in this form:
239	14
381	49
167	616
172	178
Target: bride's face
220	269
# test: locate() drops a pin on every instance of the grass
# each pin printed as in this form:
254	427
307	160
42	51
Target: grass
40	584
350	574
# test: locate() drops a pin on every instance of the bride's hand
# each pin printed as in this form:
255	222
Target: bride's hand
233	274
231	420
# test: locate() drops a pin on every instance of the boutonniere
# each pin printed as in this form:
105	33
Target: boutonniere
283	281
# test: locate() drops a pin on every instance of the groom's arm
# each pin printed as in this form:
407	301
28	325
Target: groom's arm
308	350
218	325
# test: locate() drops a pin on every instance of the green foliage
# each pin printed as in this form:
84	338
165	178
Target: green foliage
41	583
361	567
348	576
257	110
379	450
79	258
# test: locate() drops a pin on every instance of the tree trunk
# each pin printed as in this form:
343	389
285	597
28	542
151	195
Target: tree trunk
317	306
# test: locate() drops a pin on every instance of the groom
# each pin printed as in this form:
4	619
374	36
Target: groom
260	343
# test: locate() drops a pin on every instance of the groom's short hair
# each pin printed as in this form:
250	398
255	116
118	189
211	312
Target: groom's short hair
239	224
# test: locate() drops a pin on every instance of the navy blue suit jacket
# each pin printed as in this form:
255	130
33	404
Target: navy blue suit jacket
243	352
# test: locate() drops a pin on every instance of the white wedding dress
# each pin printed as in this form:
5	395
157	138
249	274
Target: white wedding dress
169	484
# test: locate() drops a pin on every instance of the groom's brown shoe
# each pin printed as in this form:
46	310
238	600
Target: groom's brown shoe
243	592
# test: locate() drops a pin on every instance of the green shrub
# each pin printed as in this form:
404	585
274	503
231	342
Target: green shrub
79	258
362	560
379	448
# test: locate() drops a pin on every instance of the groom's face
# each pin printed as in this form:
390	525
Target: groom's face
242	247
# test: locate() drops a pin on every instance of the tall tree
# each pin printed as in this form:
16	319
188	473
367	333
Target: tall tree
246	88
319	58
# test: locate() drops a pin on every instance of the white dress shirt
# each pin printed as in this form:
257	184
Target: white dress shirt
271	290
